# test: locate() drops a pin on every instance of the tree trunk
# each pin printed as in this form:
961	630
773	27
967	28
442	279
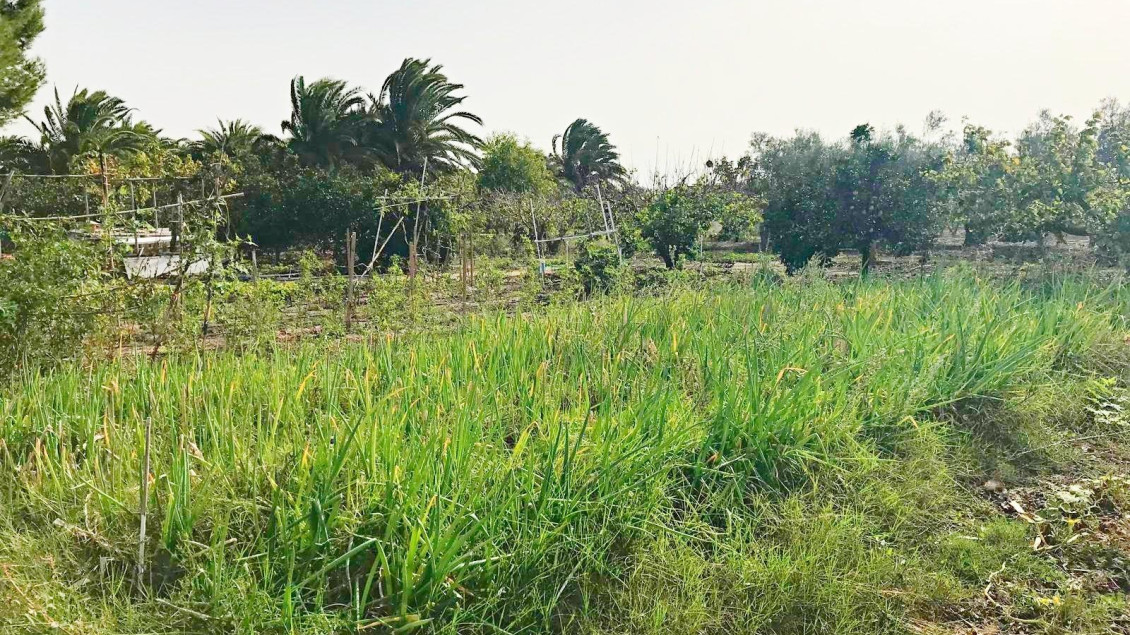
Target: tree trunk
973	238
867	257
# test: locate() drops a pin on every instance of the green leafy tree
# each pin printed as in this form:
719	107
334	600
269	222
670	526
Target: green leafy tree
584	156
327	121
884	195
976	184
514	167
418	118
1062	185
796	178
47	304
674	222
1113	122
234	138
90	124
21	21
22	155
289	205
734	178
862	193
598	266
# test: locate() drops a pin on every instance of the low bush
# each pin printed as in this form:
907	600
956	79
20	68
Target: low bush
598	263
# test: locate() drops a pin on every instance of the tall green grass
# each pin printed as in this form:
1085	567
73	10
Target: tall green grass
492	477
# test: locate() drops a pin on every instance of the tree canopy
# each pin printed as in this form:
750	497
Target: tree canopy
90	123
21	21
418	118
326	123
865	191
512	166
234	138
584	156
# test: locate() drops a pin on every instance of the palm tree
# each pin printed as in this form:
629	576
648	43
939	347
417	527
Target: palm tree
586	156
22	155
415	120
326	121
90	124
230	138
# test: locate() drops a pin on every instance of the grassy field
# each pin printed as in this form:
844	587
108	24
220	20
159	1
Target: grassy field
797	457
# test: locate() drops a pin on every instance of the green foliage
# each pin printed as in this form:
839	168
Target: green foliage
91	125
250	314
232	139
49	197
386	309
868	191
313	208
976	181
734	179
598	265
21	21
1061	185
1113	152
326	123
797	184
417	120
1114	243
50	299
514	167
675	221
414	121
884	196
1057	178
586	157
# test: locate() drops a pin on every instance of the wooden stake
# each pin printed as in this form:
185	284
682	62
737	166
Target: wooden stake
175	242
463	265
350	264
416	226
144	504
3	195
537	243
208	303
105	180
133	205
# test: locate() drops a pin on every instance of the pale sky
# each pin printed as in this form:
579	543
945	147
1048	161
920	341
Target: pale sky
677	80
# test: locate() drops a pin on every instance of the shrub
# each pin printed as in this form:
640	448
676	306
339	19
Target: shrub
598	264
1114	244
48	299
673	222
510	165
251	313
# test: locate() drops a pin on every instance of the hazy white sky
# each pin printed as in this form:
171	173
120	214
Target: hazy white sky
668	79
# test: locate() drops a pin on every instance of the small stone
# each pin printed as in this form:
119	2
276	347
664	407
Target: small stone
993	485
